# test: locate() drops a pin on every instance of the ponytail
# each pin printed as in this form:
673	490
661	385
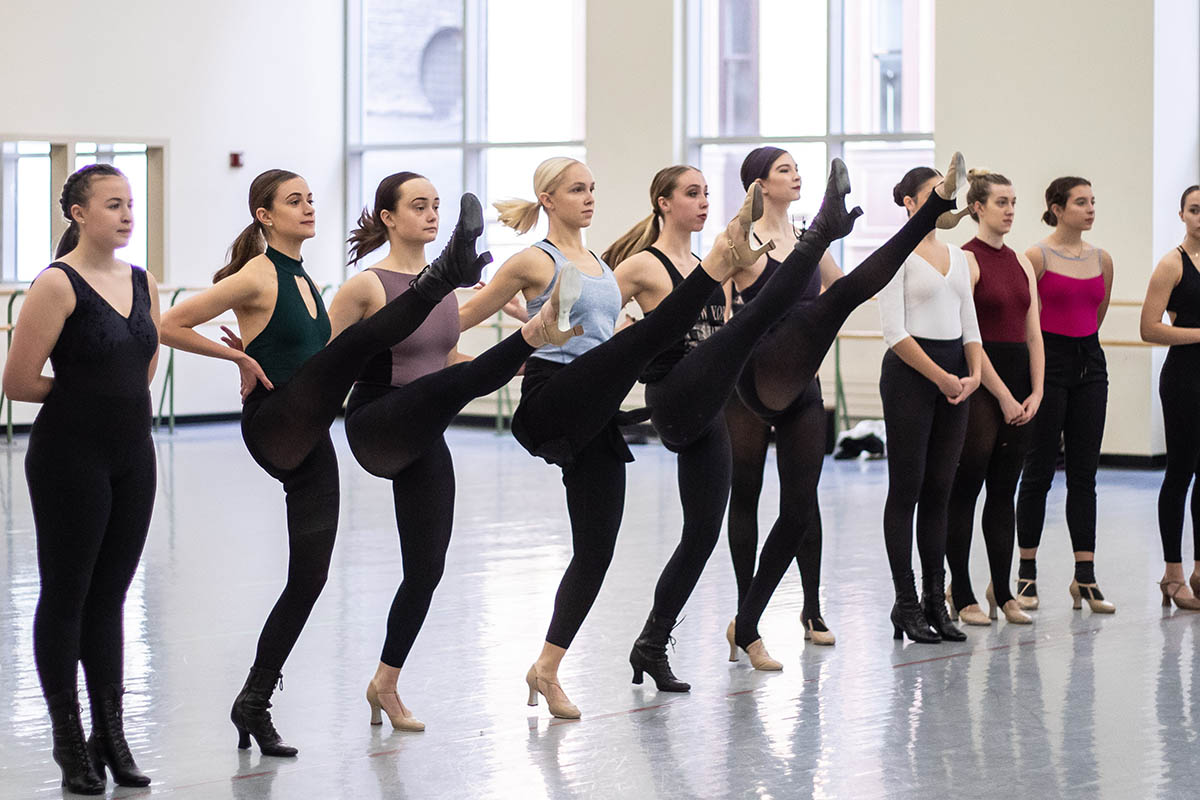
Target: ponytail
633	241
520	215
75	192
252	241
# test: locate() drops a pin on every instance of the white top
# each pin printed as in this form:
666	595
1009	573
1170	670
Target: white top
920	301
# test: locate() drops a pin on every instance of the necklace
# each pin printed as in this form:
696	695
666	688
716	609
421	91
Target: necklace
1082	247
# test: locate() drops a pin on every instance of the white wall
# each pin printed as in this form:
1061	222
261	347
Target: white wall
263	78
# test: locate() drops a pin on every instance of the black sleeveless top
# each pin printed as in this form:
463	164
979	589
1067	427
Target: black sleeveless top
1184	301
292	334
100	353
711	317
740	298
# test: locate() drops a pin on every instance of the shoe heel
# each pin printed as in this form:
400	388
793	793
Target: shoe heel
243	739
532	701
897	633
1077	604
637	676
376	714
992	614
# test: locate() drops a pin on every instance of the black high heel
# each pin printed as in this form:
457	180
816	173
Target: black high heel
70	750
907	617
251	717
649	656
933	603
107	744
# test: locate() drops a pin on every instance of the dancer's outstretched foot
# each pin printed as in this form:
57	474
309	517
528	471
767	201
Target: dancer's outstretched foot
458	265
552	323
952	185
832	221
732	251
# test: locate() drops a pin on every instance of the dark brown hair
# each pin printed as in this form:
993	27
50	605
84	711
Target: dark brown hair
252	241
643	234
911	183
981	182
1183	198
75	192
371	233
1057	194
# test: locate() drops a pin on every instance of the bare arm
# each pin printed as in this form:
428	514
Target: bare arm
1163	280
1037	350
830	271
524	272
1106	269
152	286
48	303
641	278
353	302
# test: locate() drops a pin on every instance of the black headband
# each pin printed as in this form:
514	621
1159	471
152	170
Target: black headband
758	164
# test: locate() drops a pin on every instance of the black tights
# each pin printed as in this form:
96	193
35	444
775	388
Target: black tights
92	496
799	454
396	432
924	439
993	452
1179	389
287	433
782	369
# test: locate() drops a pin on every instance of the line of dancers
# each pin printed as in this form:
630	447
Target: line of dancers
729	348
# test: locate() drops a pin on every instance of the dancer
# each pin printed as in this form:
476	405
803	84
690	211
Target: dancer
1175	288
998	419
90	465
293	386
784	365
688	384
406	397
930	370
1074	285
571	393
799	428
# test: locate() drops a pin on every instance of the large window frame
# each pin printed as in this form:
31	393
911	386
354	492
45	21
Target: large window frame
472	141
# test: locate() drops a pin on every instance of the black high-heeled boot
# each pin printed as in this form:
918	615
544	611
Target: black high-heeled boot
107	745
649	655
458	265
70	750
832	220
907	617
251	716
933	603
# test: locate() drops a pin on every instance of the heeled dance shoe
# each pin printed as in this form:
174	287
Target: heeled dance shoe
560	706
953	184
970	615
70	750
252	717
649	655
1091	593
1011	608
1027	596
107	744
760	659
933	604
1170	595
817	632
554	317
404	721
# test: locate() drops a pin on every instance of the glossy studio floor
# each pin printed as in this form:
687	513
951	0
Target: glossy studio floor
1075	706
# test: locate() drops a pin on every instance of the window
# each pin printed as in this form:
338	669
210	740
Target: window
819	78
32	174
473	94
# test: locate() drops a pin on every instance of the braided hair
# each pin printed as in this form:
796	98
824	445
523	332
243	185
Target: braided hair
75	192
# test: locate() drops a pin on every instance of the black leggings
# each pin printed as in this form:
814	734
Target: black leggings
396	432
1072	411
924	438
287	433
1179	390
993	453
91	472
799	454
781	371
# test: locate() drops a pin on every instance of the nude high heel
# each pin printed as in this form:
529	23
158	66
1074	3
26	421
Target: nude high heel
970	615
1012	610
554	317
757	651
734	251
952	185
1027	596
818	635
405	721
733	648
561	708
1169	596
1091	593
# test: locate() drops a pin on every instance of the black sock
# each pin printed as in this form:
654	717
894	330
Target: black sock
1085	572
1027	569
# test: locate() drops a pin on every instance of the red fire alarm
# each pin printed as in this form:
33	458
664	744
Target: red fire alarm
235	160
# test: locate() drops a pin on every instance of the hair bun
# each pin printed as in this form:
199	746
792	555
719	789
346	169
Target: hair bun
972	174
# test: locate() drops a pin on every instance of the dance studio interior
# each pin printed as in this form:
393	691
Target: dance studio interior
458	399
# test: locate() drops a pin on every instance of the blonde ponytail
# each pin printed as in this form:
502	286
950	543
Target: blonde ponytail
520	215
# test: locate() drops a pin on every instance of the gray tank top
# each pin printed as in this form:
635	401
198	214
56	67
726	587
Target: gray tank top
596	309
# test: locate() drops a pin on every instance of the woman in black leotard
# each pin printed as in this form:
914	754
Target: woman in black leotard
1175	288
406	397
799	428
571	394
293	386
90	465
688	384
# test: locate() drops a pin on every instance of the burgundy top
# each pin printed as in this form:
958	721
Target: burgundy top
425	350
1069	304
1001	294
